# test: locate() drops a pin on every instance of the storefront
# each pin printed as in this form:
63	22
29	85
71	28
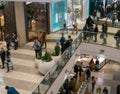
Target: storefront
37	19
77	9
2	25
7	19
58	15
68	10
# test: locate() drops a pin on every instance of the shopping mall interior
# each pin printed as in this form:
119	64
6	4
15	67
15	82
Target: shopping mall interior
43	72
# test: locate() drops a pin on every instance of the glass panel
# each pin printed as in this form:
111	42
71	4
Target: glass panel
89	37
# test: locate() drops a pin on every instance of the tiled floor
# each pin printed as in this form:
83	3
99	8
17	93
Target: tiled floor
25	76
108	76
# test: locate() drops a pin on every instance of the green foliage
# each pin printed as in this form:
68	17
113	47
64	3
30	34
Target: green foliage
47	57
39	56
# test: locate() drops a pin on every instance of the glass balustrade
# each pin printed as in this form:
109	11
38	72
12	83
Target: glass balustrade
88	37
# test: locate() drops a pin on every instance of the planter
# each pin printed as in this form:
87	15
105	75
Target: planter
36	62
43	66
56	58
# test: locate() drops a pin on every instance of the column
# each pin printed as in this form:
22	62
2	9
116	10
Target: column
20	22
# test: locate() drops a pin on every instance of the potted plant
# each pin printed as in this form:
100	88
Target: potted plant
47	57
45	62
56	52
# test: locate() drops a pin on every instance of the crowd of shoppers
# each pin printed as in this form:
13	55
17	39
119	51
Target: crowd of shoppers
110	11
11	40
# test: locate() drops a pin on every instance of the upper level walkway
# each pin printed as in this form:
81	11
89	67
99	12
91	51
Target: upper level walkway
24	76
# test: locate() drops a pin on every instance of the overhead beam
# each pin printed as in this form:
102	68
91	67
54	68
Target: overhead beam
47	1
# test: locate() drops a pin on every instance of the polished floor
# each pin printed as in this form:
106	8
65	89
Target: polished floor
25	76
108	76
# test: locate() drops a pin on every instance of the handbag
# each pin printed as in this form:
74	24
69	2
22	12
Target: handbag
12	44
10	63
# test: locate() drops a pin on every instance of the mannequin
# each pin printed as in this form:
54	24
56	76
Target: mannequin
2	21
33	24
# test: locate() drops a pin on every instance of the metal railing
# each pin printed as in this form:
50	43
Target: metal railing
89	37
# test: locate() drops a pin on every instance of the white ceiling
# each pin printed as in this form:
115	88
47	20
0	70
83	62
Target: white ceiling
34	0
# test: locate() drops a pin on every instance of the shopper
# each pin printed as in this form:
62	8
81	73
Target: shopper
43	39
2	54
66	86
97	65
85	34
11	90
76	70
105	90
37	47
118	89
93	83
67	44
117	38
98	90
96	32
62	40
7	40
8	61
64	26
88	72
57	49
15	40
118	17
104	32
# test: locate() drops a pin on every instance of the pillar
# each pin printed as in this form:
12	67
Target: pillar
20	22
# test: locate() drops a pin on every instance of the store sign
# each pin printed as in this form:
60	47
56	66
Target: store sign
34	0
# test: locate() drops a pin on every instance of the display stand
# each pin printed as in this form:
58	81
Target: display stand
89	60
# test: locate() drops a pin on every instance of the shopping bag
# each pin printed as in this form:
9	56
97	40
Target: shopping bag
10	63
12	44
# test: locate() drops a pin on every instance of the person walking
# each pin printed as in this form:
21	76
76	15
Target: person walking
43	39
118	17
15	40
113	18
37	47
11	90
93	83
97	64
2	53
8	60
88	73
76	70
96	32
104	32
105	90
98	90
64	26
7	40
62	40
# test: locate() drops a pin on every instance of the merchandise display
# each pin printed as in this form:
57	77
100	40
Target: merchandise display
89	60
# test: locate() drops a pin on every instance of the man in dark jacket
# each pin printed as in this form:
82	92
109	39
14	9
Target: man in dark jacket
118	17
96	32
2	53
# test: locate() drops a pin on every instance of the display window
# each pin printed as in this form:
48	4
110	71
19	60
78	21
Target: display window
2	25
36	19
